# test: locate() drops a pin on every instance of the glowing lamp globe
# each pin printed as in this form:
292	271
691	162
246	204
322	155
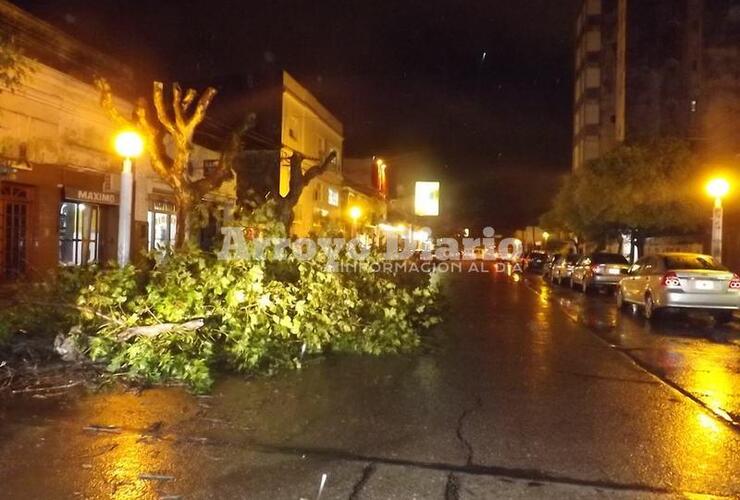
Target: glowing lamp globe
355	213
717	188
129	144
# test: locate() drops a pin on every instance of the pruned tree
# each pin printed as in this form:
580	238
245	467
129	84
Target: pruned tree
259	180
188	110
299	179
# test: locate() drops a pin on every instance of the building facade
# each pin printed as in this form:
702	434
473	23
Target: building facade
364	192
309	129
59	192
289	120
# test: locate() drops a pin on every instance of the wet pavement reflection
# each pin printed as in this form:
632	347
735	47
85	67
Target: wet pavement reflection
687	350
526	391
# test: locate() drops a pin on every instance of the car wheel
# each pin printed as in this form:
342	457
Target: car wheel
722	317
648	310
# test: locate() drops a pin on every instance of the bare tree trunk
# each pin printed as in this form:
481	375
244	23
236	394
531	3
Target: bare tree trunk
179	121
298	182
183	210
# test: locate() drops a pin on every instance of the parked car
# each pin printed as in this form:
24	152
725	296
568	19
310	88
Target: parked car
562	269
600	270
682	281
547	267
534	261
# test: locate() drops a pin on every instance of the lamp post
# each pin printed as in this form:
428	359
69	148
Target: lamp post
129	145
545	237
717	188
354	214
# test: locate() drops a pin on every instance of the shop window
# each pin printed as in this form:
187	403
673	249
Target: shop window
79	225
162	225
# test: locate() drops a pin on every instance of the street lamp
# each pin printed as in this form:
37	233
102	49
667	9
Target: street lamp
354	214
717	188
545	237
129	145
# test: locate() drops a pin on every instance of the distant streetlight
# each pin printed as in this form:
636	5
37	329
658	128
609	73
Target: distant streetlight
717	188
545	237
354	213
129	145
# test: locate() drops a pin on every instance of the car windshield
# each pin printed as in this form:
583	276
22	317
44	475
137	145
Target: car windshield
608	258
693	262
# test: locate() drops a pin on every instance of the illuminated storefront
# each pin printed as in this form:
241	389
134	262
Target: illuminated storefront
162	224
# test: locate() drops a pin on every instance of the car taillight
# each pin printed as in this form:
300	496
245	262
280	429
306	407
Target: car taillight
735	282
670	280
594	268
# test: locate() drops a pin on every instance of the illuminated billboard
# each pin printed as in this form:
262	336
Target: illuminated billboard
426	202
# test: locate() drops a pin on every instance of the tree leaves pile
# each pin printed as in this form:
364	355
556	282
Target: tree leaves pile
258	315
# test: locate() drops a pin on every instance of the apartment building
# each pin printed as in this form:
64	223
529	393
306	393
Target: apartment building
638	73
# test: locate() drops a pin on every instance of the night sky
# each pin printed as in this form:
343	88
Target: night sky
403	75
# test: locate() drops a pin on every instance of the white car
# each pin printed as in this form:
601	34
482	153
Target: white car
681	281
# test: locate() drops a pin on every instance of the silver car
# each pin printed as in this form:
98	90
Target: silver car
599	269
681	280
562	268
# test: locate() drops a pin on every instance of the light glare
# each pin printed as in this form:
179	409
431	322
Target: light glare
129	144
718	188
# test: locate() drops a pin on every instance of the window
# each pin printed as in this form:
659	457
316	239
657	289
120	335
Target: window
591	148
593	7
209	166
333	197
691	262
593	78
162	225
78	233
609	258
592	113
593	40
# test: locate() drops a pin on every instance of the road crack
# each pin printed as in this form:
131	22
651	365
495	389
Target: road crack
452	488
459	431
367	472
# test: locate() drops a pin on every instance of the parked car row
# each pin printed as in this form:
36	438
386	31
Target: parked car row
598	270
654	284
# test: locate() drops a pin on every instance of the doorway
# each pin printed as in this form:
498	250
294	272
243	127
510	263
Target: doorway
15	207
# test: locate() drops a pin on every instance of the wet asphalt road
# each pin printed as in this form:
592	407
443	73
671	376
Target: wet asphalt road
527	391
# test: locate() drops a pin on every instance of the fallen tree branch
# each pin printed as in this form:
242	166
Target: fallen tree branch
44	389
152	331
108	429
